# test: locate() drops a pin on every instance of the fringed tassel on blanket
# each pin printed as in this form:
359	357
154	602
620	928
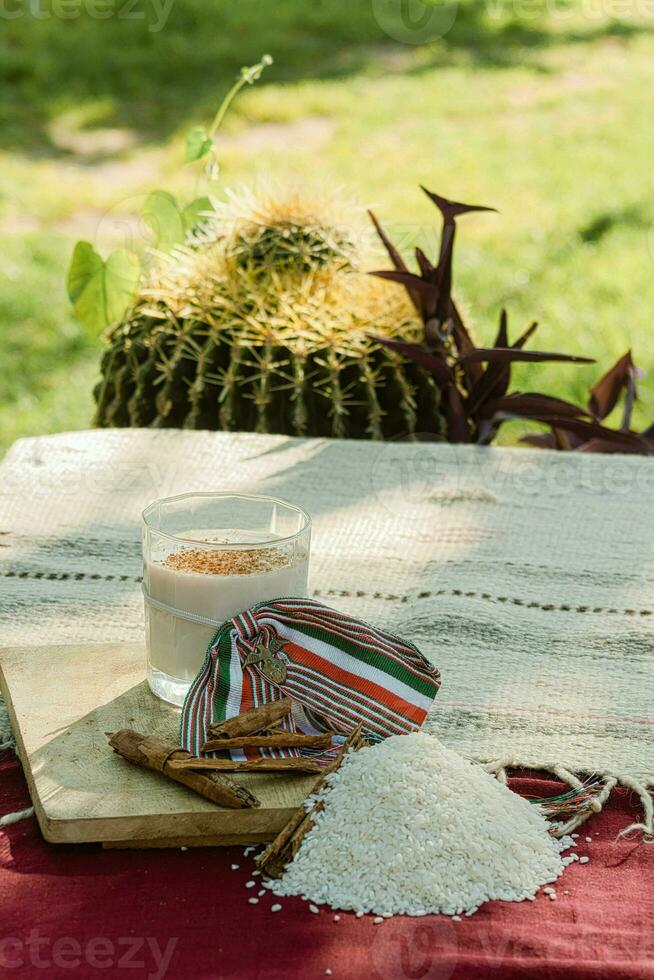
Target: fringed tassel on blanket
644	790
10	818
586	797
7	742
6	735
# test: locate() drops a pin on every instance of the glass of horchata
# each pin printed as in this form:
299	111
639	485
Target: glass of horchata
207	557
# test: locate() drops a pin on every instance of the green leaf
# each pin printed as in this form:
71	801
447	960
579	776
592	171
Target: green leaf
102	291
163	216
198	143
195	212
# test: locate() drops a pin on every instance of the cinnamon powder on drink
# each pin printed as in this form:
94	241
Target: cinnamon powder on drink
208	562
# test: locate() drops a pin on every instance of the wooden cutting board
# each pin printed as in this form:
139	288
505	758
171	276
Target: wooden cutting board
62	700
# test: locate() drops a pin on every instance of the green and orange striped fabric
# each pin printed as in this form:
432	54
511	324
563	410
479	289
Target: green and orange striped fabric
339	672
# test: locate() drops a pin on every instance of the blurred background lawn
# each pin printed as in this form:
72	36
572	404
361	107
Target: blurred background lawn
541	110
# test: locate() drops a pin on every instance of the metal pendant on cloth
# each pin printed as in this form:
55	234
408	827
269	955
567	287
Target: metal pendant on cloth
265	657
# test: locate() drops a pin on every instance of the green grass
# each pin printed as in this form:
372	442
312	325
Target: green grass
539	115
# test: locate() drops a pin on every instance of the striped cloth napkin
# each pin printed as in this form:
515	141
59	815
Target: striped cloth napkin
338	671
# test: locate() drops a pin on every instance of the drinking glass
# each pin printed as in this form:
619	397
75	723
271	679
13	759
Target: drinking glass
206	558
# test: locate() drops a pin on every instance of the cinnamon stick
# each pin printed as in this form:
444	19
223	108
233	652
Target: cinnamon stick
285	846
252	722
152	752
272	728
282	740
251	765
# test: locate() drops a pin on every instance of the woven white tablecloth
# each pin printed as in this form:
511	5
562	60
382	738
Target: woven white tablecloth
526	576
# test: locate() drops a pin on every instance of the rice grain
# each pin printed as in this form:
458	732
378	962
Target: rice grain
411	828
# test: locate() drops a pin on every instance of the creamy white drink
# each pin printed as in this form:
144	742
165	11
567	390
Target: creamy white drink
206	558
215	584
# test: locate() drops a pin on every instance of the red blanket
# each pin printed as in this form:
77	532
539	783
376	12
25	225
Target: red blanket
83	912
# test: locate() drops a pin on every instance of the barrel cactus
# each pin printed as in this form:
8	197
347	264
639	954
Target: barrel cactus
264	321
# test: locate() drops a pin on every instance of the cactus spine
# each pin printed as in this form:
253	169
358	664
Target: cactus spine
261	323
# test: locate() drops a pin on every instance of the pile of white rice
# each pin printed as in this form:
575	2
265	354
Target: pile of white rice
411	828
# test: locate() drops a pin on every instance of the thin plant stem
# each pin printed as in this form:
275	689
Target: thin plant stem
247	77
